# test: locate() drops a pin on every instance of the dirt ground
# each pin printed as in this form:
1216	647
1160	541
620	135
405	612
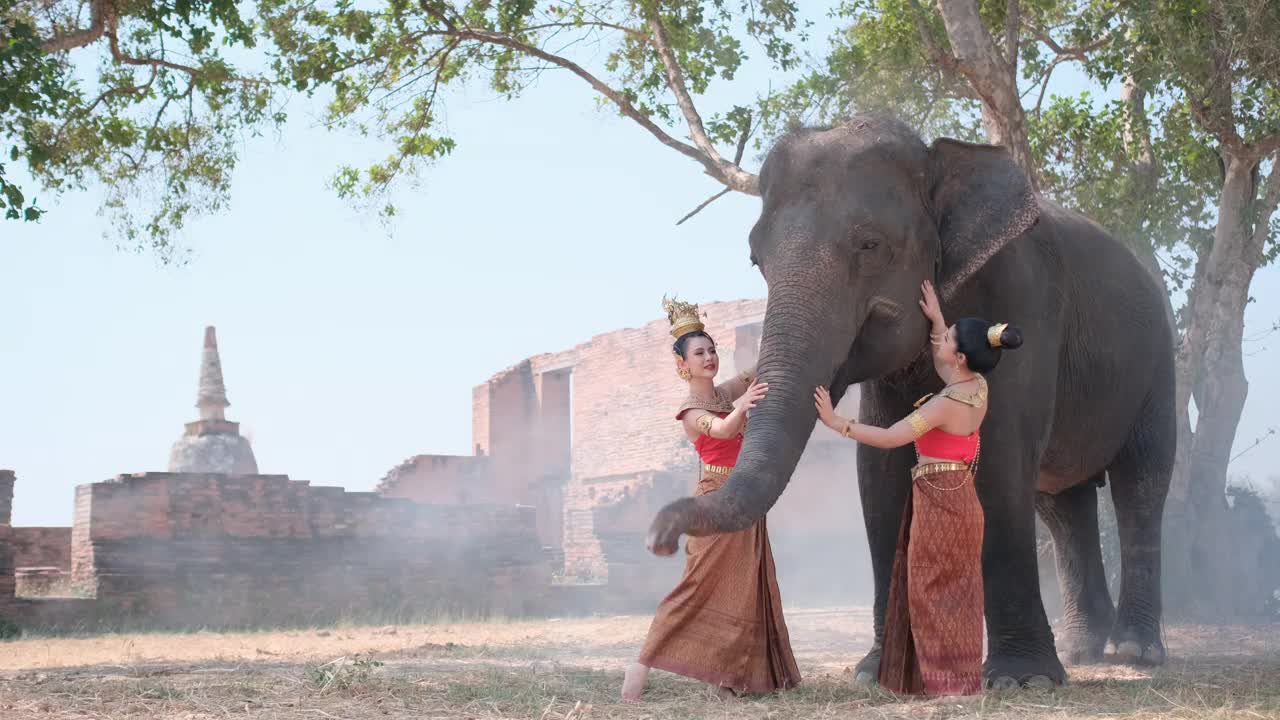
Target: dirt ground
570	670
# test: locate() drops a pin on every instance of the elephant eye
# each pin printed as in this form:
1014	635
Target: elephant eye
870	244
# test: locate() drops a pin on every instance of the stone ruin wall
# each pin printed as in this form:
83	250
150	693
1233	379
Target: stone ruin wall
185	550
42	547
588	437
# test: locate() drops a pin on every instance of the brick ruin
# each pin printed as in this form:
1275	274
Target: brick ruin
588	437
219	544
573	454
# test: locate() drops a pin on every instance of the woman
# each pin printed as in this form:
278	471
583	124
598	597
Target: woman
933	625
722	624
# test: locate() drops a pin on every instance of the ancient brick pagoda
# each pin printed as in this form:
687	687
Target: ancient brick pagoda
212	444
214	543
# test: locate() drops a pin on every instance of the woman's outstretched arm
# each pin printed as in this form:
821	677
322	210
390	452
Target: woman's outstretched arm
903	432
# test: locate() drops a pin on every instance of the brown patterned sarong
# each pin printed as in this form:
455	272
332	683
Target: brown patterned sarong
723	624
934	622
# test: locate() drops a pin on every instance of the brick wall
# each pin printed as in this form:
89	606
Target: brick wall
42	547
188	549
7	581
588	437
441	479
7	480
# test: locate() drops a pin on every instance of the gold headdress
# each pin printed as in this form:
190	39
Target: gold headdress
683	316
994	332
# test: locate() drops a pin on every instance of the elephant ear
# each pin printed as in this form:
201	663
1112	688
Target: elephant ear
981	201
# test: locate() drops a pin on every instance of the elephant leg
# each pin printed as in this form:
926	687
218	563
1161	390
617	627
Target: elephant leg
1088	614
1020	647
884	486
1139	483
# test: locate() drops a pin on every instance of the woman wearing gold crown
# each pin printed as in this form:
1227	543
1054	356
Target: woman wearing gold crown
933	624
722	624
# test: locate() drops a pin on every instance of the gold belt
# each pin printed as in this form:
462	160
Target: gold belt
938	467
717	469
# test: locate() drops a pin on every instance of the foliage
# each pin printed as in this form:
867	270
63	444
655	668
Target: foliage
877	63
156	124
1215	67
1088	166
390	66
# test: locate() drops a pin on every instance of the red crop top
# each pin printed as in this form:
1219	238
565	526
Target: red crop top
719	451
714	451
938	443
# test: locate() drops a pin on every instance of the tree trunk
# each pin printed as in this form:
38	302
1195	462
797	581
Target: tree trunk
993	77
1211	577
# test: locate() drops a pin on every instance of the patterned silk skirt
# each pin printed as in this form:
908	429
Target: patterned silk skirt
934	620
722	624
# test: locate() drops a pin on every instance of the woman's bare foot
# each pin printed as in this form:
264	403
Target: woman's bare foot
633	682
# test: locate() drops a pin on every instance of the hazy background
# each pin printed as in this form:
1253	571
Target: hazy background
345	349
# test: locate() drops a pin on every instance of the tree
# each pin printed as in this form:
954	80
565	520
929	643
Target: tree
156	124
1220	59
389	68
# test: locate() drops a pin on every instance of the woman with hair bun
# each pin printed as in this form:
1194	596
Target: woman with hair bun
934	621
722	624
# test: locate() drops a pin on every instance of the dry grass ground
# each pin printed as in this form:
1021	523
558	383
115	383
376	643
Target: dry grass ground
572	669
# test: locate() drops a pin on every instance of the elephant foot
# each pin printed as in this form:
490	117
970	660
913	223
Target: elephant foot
1006	672
867	671
1136	648
1081	647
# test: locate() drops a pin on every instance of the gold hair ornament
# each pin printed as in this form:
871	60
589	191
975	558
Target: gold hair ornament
683	316
994	332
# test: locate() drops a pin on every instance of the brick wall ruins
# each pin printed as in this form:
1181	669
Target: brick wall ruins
183	549
42	547
7	580
588	437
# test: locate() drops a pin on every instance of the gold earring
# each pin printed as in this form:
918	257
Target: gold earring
683	374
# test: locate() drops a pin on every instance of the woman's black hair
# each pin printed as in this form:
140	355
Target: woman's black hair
683	341
971	339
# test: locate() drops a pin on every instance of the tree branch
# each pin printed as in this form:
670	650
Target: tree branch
730	174
1044	86
1012	18
98	21
1270	201
1080	52
704	203
943	59
737	159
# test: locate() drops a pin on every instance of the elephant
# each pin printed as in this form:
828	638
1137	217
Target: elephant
854	217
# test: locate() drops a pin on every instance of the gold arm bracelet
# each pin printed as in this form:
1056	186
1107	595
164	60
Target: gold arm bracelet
704	424
847	425
919	425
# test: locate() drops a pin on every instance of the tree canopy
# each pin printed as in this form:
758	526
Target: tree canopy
139	99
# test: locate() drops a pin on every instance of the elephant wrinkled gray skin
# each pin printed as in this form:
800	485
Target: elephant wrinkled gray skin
853	218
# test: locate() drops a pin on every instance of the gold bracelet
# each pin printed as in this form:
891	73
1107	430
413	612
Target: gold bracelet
919	425
847	425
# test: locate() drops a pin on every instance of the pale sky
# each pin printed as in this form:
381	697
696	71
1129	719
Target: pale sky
346	350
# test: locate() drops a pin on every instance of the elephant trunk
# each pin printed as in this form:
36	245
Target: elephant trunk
797	353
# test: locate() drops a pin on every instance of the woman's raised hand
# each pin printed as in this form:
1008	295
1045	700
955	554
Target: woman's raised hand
822	401
929	303
755	393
